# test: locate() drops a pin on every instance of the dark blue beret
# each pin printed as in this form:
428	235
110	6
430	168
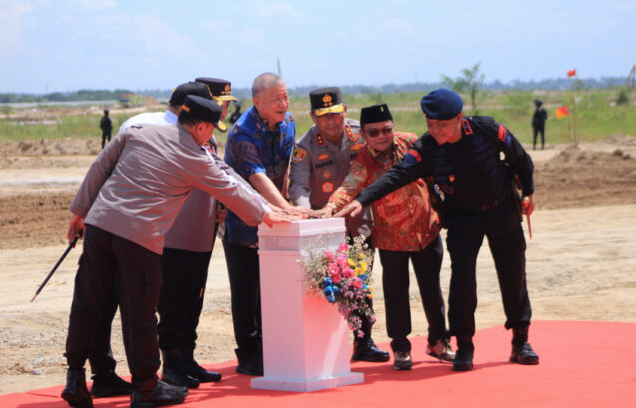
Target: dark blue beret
441	104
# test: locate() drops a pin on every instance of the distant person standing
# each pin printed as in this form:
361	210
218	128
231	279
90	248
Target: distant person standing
538	124
107	127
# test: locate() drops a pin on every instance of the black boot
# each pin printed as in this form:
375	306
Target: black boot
75	392
522	353
368	351
153	393
173	370
109	384
193	369
464	356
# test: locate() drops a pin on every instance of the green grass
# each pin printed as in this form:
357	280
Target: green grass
597	119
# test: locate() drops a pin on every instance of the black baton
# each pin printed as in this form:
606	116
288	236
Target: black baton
37	292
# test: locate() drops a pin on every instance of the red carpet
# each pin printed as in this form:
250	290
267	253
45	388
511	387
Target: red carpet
583	364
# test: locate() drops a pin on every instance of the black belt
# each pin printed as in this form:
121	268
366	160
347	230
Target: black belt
484	207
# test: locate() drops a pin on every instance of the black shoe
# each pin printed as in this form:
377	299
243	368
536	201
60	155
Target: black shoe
441	350
402	360
523	354
368	351
464	356
174	372
193	368
76	392
251	365
201	374
153	393
109	385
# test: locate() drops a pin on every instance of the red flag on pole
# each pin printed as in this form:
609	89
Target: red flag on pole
571	73
562	112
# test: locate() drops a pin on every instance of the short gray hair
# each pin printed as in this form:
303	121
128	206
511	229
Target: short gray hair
265	81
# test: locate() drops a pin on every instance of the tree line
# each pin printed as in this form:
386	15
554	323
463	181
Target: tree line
244	93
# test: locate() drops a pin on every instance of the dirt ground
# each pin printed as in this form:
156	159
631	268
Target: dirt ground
581	260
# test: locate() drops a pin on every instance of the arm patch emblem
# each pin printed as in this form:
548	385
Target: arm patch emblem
299	154
411	158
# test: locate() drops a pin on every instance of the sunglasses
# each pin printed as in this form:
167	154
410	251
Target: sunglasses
386	131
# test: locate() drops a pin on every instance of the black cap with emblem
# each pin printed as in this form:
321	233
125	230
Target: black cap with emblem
374	114
205	110
189	88
326	100
220	88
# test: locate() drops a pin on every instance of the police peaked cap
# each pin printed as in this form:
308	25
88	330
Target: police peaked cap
326	100
442	104
220	88
189	88
374	114
205	110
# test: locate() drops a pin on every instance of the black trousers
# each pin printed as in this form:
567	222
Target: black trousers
395	283
136	272
105	136
101	355
185	274
507	245
535	131
244	275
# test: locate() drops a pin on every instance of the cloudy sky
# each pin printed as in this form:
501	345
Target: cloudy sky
66	45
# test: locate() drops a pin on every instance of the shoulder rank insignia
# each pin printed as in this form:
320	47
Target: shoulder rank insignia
467	129
299	154
320	140
323	156
350	135
357	147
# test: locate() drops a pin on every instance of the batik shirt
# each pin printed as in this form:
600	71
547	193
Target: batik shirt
252	148
403	220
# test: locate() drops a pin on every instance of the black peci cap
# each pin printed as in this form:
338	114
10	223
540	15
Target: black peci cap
204	109
220	89
374	114
189	88
442	104
326	100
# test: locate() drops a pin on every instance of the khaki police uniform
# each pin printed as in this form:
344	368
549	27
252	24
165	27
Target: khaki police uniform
318	168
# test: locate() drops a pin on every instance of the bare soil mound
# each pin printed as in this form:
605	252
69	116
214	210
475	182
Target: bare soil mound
579	178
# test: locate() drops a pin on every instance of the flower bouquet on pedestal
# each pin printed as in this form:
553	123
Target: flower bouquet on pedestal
342	276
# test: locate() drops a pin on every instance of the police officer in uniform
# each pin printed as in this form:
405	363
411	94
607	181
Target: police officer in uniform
462	157
106	125
184	266
320	163
106	382
539	118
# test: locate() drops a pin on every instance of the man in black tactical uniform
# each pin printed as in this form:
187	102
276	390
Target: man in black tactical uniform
106	125
538	124
462	157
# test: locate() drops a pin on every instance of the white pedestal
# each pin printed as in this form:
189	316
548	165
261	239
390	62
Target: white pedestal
305	339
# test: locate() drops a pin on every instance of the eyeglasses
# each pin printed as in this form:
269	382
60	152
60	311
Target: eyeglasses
386	131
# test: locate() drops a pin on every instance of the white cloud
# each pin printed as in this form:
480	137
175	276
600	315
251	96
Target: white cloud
11	20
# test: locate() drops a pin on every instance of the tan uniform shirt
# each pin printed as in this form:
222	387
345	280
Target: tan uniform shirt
319	167
138	183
